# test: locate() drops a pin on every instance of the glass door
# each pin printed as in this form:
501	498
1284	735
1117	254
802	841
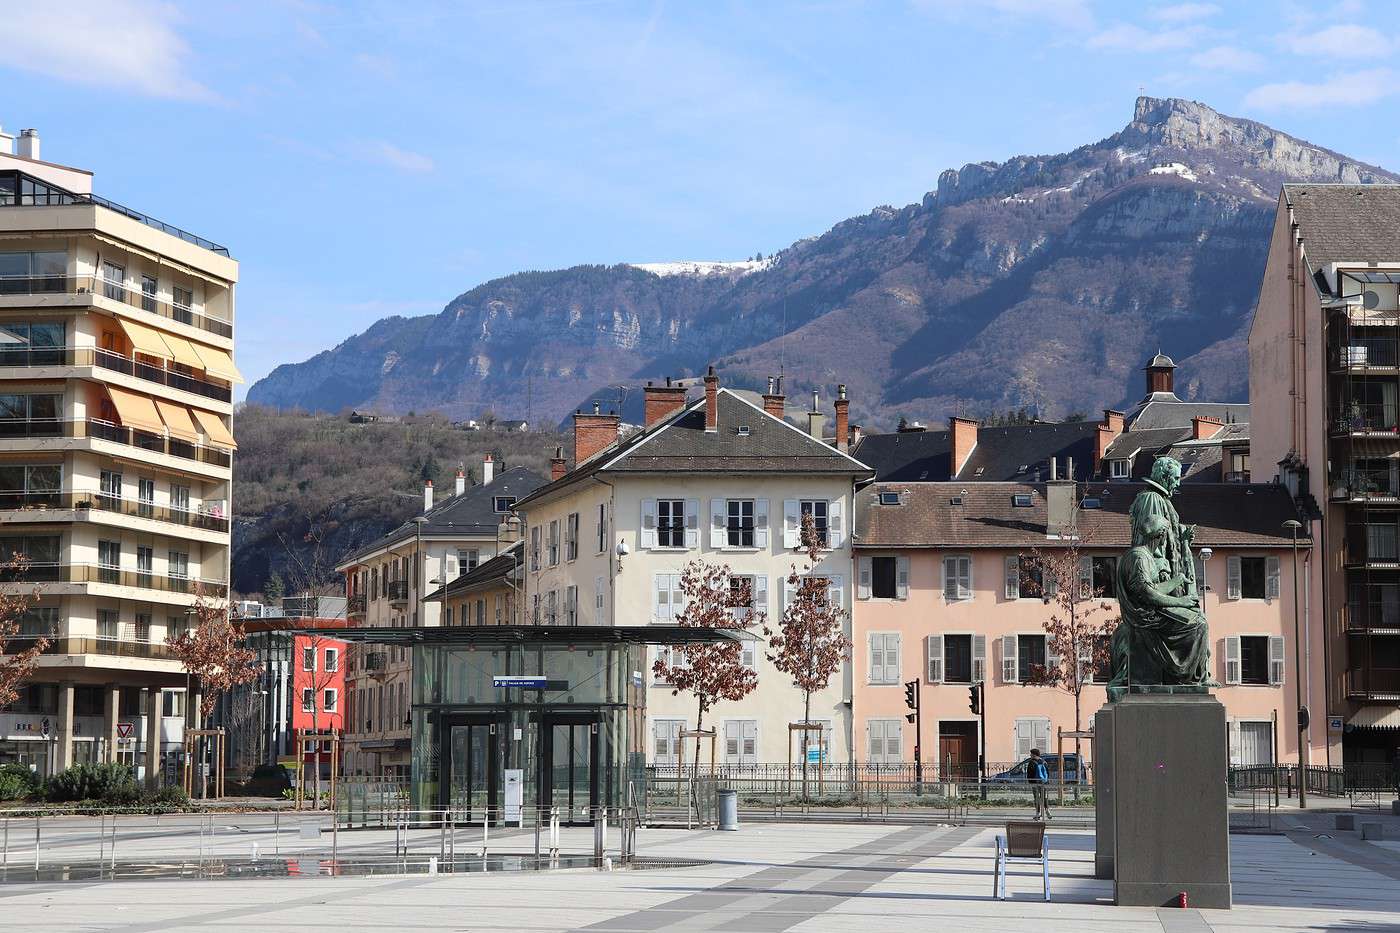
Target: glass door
471	757
570	780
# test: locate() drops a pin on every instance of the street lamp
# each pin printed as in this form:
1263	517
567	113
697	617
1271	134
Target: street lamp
1294	526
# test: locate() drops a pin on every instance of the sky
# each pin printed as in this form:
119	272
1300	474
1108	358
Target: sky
368	159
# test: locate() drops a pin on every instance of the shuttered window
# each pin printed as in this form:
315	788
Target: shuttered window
884	657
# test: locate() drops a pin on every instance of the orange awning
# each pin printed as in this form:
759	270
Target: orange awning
183	351
217	362
136	411
146	340
177	419
214	429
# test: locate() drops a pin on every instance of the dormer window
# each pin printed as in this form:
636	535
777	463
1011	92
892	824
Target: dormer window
889	498
502	504
1118	469
955	500
1089	502
743	430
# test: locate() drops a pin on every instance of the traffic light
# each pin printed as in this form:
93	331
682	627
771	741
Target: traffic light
909	717
911	695
974	699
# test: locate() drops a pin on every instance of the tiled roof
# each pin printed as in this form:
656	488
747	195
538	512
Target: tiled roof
1131	443
1002	453
1225	515
489	573
1172	414
1347	223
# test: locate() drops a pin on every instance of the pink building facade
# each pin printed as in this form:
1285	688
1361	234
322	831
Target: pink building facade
940	600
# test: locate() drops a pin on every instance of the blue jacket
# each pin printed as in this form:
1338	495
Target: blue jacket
1036	772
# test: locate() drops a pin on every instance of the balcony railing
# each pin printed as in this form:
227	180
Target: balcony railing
11	356
1236	476
49	572
396	591
115	647
1357	483
1376	683
31	501
1366	419
1361	353
114	433
355	605
116	291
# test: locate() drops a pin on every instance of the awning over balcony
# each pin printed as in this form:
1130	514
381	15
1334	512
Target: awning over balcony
217	362
183	351
1376	717
136	411
146	340
214	429
177	419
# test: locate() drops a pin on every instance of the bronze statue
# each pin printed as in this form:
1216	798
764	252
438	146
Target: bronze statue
1162	639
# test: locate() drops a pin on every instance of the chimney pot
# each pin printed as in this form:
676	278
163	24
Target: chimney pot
556	465
660	401
773	400
711	400
427	495
28	144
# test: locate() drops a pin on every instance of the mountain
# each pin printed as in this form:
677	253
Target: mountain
1043	281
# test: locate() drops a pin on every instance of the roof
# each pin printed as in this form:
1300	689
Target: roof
1347	223
485	574
1002	453
472	514
1161	360
543	634
679	443
1173	413
1225	515
1131	443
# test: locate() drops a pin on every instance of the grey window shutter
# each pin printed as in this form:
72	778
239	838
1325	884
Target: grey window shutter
1271	578
901	583
1013	577
1232	659
863	565
1276	665
1232	578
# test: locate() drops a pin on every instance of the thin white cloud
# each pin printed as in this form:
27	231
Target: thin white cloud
1228	58
1344	39
127	44
1351	89
1071	14
402	159
1184	12
1126	37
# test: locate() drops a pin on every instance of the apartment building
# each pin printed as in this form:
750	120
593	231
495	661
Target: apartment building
949	593
386	585
718	479
116	453
1324	376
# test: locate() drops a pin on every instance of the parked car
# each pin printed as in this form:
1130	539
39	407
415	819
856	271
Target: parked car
1017	775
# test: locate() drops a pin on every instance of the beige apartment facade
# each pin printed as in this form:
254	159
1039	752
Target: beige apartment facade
718	480
116	454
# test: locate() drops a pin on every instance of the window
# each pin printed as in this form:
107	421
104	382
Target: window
1030	654
1380	542
113	277
885	741
957	577
468	559
668	597
108	624
502	504
328	698
109	559
739	524
741	591
535	548
740	741
179	501
1118	469
957	659
666	740
1252	578
602	527
148	293
884	576
554	543
1021	501
332	659
670	523
308	658
173	703
889	498
145	563
143	627
22	485
817	508
1102	578
30	272
39	620
1026	578
1254	659
308	700
182	298
1031	733
1100	663
884	657
178	563
551	608
570	605
571	537
670	658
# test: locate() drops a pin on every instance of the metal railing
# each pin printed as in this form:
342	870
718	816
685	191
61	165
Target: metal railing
113	433
115	291
111	647
31	501
355	605
1361	418
1366	352
54	572
1381	683
1357	483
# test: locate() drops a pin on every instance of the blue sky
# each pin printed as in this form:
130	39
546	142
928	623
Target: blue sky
368	159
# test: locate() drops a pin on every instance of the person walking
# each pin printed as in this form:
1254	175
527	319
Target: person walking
1038	776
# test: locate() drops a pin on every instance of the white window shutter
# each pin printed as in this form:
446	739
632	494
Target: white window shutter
836	591
599	597
1232	727
718	517
876	649
894	740
1232	579
760	593
1013	577
950	579
1086	577
1048	584
760	523
648	523
783	592
1086	664
1271	578
835	523
1010	668
933	645
677	594
1232	658
661	596
901	578
1052	661
1042	735
692	523
979	658
792	524
892	658
1276	665
874	740
750	734
863	571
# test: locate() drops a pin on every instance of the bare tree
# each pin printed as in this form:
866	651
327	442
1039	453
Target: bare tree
16	667
714	598
810	643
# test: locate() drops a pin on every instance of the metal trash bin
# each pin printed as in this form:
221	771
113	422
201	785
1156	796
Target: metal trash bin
729	810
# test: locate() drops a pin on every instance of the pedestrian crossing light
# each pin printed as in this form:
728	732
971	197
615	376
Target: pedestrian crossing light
911	695
974	699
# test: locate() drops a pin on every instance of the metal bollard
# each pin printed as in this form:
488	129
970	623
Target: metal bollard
485	831
36	844
113	847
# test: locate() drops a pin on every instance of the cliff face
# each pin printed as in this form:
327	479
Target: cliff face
1043	281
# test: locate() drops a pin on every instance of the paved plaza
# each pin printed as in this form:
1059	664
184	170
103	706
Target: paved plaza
770	877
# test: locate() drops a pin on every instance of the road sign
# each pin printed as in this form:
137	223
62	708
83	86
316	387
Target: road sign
528	682
125	730
1334	724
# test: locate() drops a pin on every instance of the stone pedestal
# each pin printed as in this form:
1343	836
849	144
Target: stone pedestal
1162	767
1103	793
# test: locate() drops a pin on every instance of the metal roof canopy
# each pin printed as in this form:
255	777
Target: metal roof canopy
1372	276
532	634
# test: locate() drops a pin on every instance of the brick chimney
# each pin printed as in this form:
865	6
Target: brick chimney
488	469
1109	428
593	432
843	419
661	401
711	401
557	468
461	481
963	432
774	400
1204	426
427	495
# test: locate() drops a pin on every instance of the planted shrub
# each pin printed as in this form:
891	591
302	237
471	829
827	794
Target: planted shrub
172	795
17	782
110	783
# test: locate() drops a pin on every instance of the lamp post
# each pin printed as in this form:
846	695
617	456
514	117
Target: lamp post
1294	526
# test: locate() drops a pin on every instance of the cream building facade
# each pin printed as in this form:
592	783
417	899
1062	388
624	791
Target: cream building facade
116	456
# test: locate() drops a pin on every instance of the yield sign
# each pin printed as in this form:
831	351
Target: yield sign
124	730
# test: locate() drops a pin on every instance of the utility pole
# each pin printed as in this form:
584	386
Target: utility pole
976	702
911	700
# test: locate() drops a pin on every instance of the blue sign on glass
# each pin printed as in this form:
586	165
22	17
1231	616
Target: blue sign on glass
528	682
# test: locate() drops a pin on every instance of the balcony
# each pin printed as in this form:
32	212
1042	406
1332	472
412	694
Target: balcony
1373	683
1365	353
1365	420
376	660
112	433
1361	484
1236	476
46	572
79	501
96	285
397	592
355	606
